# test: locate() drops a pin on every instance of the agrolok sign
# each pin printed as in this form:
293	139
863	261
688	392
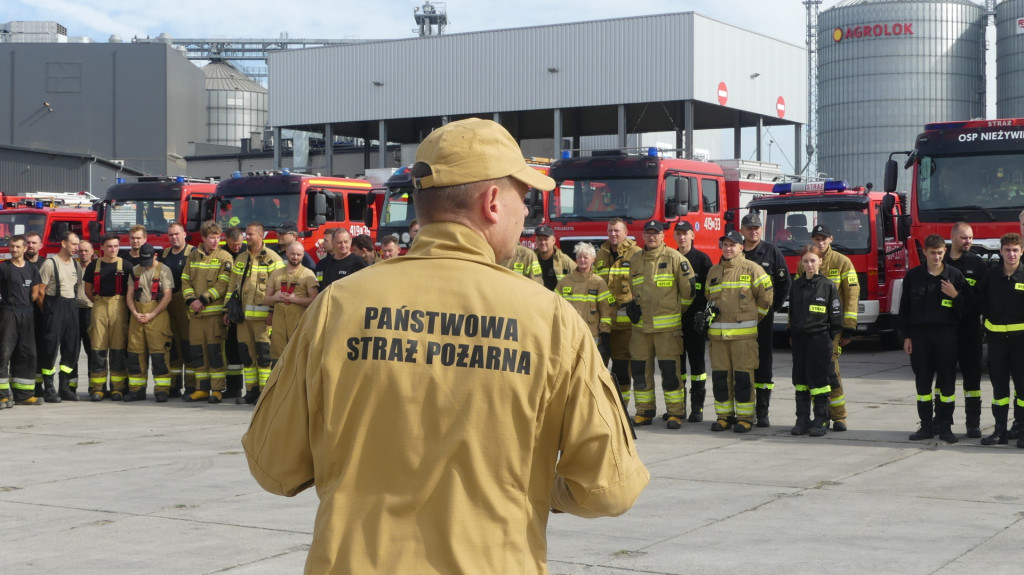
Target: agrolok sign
873	31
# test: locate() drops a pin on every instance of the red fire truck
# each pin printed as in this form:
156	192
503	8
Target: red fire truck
49	219
964	171
865	228
288	201
154	202
637	188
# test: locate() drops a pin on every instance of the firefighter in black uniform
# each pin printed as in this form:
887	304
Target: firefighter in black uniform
968	333
815	319
935	297
770	258
694	339
60	274
1002	306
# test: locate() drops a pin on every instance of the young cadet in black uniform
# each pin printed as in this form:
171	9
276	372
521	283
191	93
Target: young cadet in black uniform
934	298
770	258
815	319
968	333
1002	306
342	263
694	340
19	286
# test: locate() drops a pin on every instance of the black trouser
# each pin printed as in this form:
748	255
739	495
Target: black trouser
1006	361
695	346
235	380
812	362
84	320
60	332
763	373
18	351
968	347
934	359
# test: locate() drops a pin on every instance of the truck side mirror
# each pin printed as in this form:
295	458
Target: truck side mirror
319	209
888	203
193	217
94	231
677	204
100	209
206	209
534	202
891	176
903	227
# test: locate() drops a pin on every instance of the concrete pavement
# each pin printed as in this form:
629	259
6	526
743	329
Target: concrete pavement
134	488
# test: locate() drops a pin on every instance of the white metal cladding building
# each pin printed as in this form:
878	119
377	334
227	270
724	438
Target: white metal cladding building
673	72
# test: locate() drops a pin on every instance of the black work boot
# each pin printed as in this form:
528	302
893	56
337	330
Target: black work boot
64	389
803	413
998	437
50	395
697	395
1015	429
251	396
946	433
926	431
762	397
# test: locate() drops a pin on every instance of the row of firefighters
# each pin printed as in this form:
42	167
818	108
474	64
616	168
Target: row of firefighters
650	303
207	322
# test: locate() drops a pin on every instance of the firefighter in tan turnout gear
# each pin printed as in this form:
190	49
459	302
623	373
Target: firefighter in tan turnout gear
589	296
291	289
204	284
149	333
740	294
447	413
612	265
524	262
663	285
249	281
106	283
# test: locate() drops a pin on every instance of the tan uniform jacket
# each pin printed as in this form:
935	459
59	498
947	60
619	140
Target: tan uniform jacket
206	277
589	296
838	268
440	419
614	270
300	282
743	294
525	264
663	285
255	287
144	291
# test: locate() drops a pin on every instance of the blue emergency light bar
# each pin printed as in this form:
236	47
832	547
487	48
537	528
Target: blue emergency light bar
826	186
652	152
286	172
119	181
566	154
180	179
236	174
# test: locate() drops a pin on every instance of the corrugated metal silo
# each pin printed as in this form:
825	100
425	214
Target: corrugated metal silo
1010	59
888	67
236	106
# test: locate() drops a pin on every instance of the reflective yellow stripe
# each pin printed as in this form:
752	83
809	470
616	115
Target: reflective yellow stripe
952	398
947	303
974	393
728	332
665	321
996	328
821	390
799	387
1002	401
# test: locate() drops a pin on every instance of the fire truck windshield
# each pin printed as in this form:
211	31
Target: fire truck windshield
154	214
950	187
595	200
791	230
19	224
274	212
398	210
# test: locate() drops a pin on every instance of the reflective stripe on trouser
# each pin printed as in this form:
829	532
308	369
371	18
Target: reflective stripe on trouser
934	363
1006	364
286	321
252	333
836	398
18	352
206	336
732	374
60	333
180	353
644	347
153	341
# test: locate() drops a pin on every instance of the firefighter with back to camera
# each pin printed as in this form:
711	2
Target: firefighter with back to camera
485	432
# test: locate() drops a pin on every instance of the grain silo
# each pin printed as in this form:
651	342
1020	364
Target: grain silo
888	67
1010	59
236	106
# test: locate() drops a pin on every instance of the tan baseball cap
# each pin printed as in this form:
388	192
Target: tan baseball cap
474	150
